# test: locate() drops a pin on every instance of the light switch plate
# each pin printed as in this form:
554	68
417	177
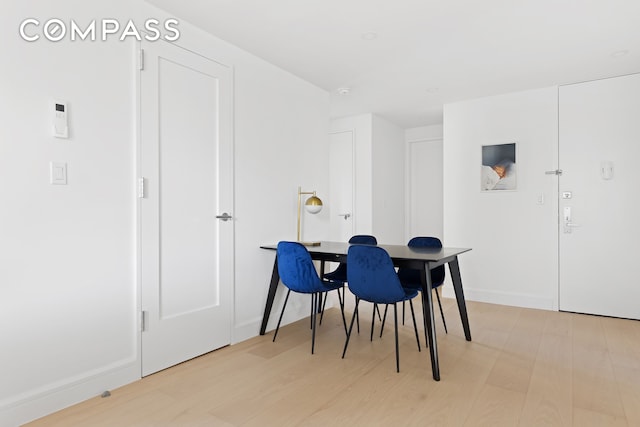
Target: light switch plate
58	173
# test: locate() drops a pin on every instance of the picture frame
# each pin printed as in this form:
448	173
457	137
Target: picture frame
498	167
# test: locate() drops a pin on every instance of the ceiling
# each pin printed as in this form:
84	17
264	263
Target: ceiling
404	59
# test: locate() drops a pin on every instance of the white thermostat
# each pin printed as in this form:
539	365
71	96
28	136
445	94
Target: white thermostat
60	123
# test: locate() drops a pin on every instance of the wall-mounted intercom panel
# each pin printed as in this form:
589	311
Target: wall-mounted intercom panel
60	126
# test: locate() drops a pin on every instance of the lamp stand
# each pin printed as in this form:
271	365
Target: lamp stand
300	193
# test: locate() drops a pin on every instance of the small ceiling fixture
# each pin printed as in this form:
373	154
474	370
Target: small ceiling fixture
369	35
619	53
344	91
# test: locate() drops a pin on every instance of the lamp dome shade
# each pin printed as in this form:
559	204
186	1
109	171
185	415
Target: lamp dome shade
313	205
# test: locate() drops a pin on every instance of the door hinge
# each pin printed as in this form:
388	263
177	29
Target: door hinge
554	172
141	187
141	60
143	321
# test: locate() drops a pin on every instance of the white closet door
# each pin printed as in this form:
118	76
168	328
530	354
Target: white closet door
341	186
186	160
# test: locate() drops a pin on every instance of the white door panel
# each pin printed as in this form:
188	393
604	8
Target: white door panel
341	186
187	254
599	265
425	188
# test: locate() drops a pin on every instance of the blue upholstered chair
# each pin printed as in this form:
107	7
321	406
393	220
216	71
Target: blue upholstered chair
372	277
298	274
340	273
410	278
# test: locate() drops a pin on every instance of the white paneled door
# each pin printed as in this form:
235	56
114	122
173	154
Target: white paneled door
425	217
341	185
599	197
187	163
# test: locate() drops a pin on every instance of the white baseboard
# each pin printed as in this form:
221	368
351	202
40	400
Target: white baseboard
246	330
504	298
47	400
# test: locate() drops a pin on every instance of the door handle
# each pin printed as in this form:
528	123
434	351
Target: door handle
568	226
225	216
345	215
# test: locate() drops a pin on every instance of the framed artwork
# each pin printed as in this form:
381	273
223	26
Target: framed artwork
498	169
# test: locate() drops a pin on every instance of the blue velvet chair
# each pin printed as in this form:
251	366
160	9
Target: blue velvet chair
298	274
372	277
340	273
410	278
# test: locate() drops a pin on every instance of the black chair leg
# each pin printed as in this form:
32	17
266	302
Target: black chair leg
403	313
281	313
324	302
314	306
358	318
341	300
424	322
386	307
415	326
353	318
395	322
373	318
441	312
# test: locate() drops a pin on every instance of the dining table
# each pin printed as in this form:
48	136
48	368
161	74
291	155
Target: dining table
419	258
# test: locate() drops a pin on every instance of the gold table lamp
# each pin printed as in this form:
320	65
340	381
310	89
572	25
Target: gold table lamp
313	205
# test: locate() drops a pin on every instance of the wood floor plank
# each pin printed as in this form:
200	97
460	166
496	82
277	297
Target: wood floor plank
628	380
549	397
496	407
595	388
514	366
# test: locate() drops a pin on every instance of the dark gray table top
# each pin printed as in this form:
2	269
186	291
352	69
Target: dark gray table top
396	252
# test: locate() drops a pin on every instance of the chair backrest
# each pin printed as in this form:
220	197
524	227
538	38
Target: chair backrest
296	268
371	275
424	242
438	273
340	273
363	239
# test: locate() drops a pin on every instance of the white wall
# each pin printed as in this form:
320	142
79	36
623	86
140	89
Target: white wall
67	269
68	279
514	239
423	182
388	182
423	133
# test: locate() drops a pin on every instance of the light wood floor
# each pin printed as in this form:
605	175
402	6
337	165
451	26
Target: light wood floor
523	368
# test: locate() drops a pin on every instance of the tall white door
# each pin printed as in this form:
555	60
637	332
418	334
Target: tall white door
599	205
425	195
186	161
341	186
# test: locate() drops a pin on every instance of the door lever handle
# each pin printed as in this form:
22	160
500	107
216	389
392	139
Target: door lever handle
571	224
225	216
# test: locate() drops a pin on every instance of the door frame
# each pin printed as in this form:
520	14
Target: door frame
137	190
